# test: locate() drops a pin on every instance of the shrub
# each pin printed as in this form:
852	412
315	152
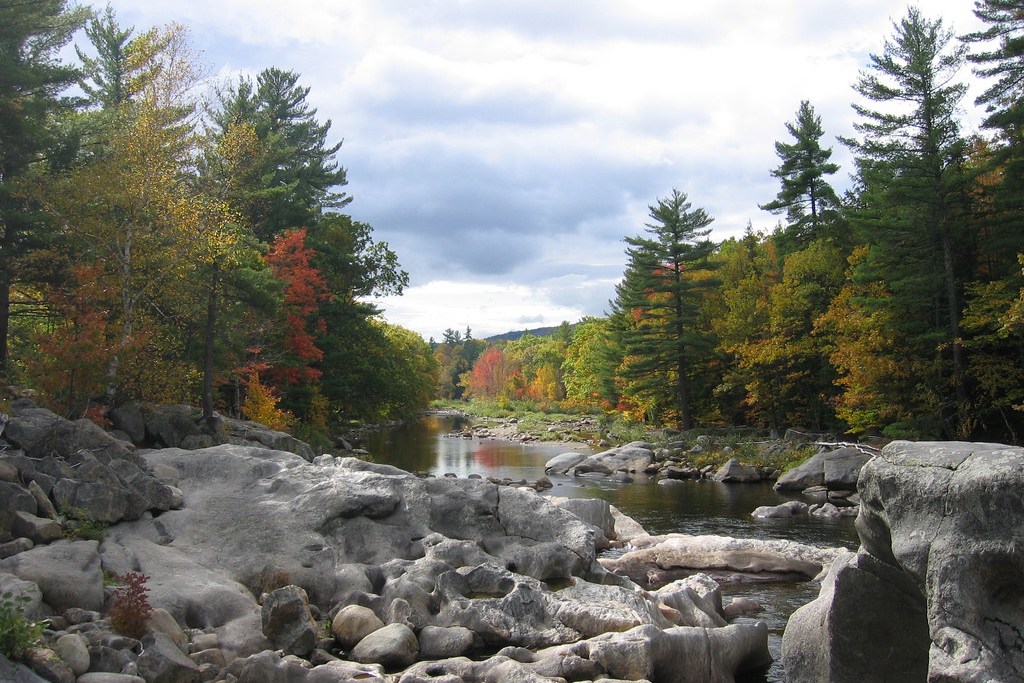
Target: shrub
17	633
131	609
76	524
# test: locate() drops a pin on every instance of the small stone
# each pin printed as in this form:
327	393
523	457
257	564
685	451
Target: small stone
74	651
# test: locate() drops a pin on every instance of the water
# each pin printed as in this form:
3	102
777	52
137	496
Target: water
692	507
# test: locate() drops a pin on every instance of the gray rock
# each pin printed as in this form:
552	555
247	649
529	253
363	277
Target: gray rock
810	472
168	426
37	529
14	672
933	590
18	545
47	664
8	472
632	457
27	591
834	639
67	572
658	560
791	508
336	671
353	623
842	468
440	642
734	471
109	677
74	651
595	512
162	661
128	418
563	462
44	507
288	622
16	498
395	645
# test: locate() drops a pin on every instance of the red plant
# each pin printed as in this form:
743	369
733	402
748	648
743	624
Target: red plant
130	609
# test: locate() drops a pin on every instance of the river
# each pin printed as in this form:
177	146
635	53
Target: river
692	507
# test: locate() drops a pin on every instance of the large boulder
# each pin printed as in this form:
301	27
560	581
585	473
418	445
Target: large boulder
934	590
633	457
836	470
67	572
735	472
658	560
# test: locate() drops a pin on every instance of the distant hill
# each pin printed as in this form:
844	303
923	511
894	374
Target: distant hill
536	332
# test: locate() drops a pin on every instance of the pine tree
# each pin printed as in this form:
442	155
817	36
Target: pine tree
32	80
807	199
296	174
912	210
657	306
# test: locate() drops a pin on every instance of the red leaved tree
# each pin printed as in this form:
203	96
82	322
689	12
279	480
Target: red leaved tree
304	290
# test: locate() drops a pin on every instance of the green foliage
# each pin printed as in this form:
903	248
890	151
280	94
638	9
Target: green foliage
130	608
656	310
807	199
76	524
17	633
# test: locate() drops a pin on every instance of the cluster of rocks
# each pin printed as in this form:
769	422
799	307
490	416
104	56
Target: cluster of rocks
669	463
934	592
265	566
572	430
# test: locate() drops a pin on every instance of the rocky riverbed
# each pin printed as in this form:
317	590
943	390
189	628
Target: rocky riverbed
264	563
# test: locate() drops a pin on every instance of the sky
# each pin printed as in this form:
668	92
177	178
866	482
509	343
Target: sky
503	150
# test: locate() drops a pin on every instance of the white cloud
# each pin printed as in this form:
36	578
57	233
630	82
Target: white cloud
503	149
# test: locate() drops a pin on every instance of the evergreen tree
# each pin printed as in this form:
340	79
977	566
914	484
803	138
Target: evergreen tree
806	197
294	172
657	306
911	208
32	80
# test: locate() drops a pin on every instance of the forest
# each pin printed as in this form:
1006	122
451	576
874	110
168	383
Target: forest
896	309
166	241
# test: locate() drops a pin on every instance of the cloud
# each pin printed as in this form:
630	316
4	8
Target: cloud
504	149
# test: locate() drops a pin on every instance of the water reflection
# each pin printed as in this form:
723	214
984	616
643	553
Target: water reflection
694	507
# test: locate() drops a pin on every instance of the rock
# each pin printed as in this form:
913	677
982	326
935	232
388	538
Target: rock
439	642
47	664
13	672
842	468
657	560
562	463
44	507
37	529
934	591
8	472
336	671
393	646
791	508
161	620
595	512
68	573
74	651
27	591
16	498
106	677
288	622
162	662
831	511
833	639
810	472
18	545
128	418
742	607
632	457
735	472
42	433
353	623
169	425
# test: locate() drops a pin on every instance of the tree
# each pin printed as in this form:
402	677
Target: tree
305	290
32	80
805	196
657	305
912	205
294	173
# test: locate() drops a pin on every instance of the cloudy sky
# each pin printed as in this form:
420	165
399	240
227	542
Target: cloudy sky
504	149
